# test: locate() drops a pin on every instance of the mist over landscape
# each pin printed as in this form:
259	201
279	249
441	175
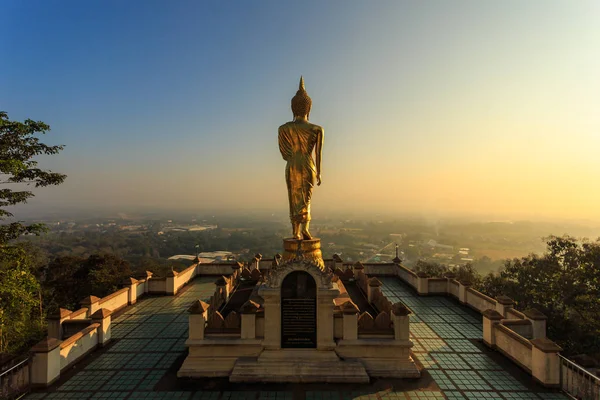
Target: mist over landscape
182	182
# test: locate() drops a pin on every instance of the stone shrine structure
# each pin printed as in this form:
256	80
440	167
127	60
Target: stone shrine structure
301	321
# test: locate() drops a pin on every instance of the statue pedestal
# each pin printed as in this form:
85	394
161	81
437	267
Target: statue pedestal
303	250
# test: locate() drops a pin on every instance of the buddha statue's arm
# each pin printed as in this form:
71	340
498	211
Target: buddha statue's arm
284	145
318	153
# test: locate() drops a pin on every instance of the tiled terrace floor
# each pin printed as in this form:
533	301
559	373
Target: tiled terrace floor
148	348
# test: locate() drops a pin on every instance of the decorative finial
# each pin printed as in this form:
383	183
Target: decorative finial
301	102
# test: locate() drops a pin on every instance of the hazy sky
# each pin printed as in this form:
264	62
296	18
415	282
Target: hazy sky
428	106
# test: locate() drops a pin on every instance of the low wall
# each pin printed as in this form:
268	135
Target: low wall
380	269
78	345
514	346
186	275
437	285
407	275
141	288
480	301
522	327
514	314
157	285
79	314
116	300
453	288
215	269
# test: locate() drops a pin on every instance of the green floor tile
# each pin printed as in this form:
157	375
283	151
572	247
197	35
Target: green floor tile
205	395
452	395
480	362
68	396
239	395
449	361
525	396
113	361
109	395
129	345
438	345
482	396
124	381
151	379
442	380
470	331
445	331
424	395
502	380
468	380
87	381
462	346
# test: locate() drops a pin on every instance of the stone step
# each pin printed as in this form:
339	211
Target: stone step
299	354
283	368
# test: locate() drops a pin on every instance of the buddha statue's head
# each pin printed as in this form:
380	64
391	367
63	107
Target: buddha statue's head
301	102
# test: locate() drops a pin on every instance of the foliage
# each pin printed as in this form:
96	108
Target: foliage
563	283
67	280
21	312
21	316
462	272
18	146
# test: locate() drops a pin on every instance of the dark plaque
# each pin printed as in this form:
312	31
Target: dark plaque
298	311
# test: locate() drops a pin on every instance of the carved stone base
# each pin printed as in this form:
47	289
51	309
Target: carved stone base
303	250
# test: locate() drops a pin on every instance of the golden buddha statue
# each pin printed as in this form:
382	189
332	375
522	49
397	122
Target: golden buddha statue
297	140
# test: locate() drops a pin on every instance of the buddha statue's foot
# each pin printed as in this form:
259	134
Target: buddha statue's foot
296	234
306	235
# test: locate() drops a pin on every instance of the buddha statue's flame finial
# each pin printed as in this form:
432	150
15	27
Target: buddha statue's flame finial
301	102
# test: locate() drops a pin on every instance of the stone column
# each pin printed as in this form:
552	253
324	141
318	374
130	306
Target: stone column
222	287
538	322
503	304
449	276
148	277
197	320
171	282
272	306
372	285
236	269
545	363
337	262
102	316
358	268
248	312
324	318
45	365
422	283
55	321
131	283
350	321
91	303
490	319
462	291
257	258
401	321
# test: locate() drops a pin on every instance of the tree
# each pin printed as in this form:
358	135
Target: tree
19	145
564	284
21	316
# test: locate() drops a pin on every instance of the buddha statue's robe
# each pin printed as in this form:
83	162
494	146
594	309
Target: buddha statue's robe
296	144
